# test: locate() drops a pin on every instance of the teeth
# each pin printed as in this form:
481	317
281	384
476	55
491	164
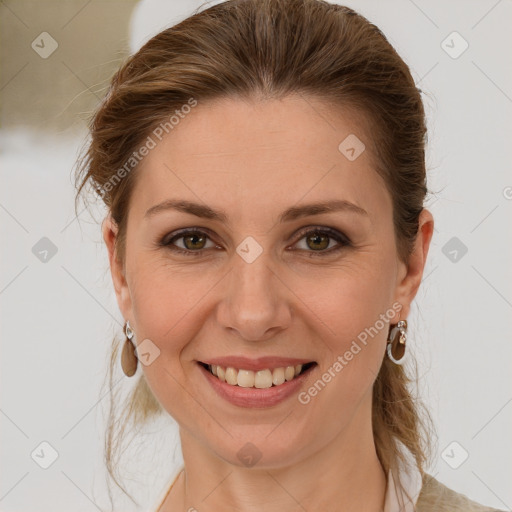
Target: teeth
289	373
263	379
278	376
231	376
260	379
245	379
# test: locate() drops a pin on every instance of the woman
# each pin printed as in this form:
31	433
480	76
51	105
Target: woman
263	167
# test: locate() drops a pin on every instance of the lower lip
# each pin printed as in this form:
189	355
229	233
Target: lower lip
254	397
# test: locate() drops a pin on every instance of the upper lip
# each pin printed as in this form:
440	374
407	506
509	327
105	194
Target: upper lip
260	363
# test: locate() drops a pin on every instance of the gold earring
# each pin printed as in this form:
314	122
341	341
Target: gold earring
396	342
129	359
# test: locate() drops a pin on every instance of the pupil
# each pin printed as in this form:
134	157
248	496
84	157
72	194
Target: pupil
315	238
194	237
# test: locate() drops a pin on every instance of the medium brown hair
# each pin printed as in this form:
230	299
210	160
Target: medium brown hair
268	49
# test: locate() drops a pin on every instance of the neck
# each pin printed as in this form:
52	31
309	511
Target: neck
345	474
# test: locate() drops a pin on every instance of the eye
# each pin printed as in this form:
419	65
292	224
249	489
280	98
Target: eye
317	239
193	240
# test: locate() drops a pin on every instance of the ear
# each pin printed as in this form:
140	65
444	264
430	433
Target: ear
410	275
109	230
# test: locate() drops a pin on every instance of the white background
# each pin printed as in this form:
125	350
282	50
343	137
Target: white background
58	318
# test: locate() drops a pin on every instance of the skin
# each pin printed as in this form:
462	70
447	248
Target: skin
254	159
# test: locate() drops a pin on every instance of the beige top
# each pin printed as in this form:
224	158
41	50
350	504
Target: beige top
428	494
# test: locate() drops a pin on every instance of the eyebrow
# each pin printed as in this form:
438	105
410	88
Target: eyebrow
292	213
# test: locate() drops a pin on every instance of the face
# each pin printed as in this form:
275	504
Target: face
252	282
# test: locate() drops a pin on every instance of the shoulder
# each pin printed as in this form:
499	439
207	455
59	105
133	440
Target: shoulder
436	497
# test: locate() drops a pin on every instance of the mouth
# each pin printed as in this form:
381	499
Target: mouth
259	379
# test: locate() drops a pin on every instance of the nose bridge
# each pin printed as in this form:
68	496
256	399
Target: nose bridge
253	304
253	278
252	264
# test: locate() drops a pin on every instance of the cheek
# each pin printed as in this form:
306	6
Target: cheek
352	296
353	320
352	311
164	306
162	295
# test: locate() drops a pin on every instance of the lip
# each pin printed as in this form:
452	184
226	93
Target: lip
254	397
260	363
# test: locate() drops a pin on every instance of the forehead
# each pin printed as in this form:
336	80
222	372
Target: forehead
260	156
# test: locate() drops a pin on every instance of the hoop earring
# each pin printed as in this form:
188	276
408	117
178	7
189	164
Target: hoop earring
129	359
396	342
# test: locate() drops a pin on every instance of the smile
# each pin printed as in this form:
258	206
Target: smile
260	379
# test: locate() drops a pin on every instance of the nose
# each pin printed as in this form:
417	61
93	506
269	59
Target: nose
255	300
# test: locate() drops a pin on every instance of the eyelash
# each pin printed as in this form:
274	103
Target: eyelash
340	238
